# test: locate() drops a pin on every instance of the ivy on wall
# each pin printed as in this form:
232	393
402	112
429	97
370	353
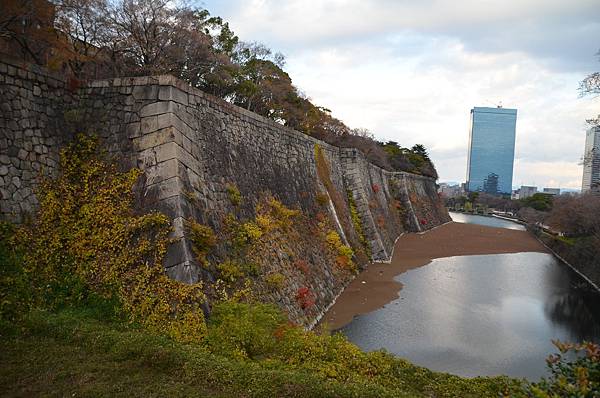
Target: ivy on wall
88	240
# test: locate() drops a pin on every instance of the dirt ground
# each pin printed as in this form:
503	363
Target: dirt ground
375	286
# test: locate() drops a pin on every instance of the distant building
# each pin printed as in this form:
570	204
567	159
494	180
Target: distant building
515	194
551	191
491	150
591	161
451	191
526	191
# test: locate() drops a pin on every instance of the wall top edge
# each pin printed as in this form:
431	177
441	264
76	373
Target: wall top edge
33	68
170	80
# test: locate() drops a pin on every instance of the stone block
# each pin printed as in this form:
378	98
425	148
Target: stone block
162	171
132	130
145	92
148	124
16	181
16	197
146	159
184	272
166	151
158	108
164	189
172	150
170	93
157	138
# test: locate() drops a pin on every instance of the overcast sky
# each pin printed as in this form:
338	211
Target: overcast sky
411	70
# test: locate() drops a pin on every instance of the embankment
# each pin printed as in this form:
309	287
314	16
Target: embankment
208	161
580	255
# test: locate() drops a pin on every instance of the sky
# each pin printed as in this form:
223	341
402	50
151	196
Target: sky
411	70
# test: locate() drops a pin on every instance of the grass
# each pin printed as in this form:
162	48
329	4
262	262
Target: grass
72	353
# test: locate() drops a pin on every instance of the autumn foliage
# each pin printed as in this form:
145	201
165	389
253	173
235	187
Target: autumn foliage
87	240
93	39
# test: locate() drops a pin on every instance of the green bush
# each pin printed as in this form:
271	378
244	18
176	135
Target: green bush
243	331
261	333
356	221
275	280
344	252
322	198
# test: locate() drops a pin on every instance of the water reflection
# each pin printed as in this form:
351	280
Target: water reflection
577	313
485	220
483	315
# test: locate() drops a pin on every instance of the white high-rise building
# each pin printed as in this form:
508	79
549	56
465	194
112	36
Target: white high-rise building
591	161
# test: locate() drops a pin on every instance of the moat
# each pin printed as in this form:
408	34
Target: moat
483	314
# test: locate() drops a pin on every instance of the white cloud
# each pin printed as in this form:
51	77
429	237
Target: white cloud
411	71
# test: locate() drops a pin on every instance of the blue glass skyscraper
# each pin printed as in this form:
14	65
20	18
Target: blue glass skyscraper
491	150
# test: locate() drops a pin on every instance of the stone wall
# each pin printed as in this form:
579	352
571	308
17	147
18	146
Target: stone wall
33	102
194	148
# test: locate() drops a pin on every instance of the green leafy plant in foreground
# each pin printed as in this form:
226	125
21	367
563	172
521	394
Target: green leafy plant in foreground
574	372
261	333
87	241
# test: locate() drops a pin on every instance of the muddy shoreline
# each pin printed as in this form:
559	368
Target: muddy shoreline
375	286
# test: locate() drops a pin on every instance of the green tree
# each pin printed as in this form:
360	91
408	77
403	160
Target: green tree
538	201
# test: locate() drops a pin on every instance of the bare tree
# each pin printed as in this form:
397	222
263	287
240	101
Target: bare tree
576	216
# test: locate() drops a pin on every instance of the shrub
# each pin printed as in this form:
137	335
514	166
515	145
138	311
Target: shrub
260	332
305	298
345	253
275	280
321	217
302	265
202	238
243	331
356	221
15	290
322	198
574	372
274	214
250	232
234	194
88	240
230	271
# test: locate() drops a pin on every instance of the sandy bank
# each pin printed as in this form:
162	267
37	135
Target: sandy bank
375	287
